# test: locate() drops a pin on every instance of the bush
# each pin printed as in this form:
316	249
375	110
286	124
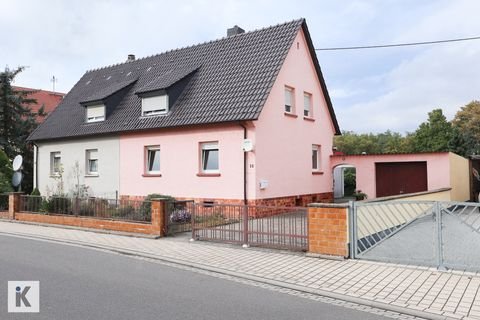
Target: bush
57	205
35	192
146	207
349	181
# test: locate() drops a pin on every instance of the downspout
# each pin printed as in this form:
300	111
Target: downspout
35	165
244	166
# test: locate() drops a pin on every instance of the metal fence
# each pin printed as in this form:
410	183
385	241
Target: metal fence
178	216
4	202
435	234
275	227
115	209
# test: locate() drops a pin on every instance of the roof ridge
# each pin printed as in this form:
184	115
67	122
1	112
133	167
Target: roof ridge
299	20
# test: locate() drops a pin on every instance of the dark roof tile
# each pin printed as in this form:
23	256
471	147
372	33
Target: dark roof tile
232	84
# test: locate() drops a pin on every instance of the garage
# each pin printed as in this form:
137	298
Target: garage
394	178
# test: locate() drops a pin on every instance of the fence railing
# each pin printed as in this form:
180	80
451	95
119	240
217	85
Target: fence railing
277	227
128	210
4	202
178	216
429	233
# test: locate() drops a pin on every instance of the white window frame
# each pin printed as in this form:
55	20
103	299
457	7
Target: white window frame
209	146
154	106
91	155
55	168
289	106
148	150
316	166
95	117
307	107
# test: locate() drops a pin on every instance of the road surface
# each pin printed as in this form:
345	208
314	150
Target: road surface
82	283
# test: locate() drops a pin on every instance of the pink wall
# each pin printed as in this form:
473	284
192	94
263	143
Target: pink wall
438	165
283	143
179	163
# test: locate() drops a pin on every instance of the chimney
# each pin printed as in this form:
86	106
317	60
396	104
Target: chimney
131	57
234	31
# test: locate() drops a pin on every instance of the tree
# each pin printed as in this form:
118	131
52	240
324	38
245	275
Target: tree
387	142
17	121
433	135
466	130
5	173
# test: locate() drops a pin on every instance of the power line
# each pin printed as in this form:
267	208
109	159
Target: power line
399	44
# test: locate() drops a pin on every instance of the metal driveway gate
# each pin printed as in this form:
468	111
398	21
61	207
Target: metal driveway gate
428	233
274	227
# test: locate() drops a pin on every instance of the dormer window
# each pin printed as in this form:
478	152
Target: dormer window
95	113
155	105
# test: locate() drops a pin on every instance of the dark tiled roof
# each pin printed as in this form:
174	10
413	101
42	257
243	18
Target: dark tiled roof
166	80
106	92
232	84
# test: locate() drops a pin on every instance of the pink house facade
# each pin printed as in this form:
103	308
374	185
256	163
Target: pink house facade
250	123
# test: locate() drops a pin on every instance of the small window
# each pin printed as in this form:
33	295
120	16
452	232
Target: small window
55	163
307	104
92	162
289	100
95	113
209	159
153	160
157	105
315	157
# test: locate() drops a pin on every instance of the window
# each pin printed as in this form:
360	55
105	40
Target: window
96	113
152	165
209	157
307	104
157	105
55	163
315	157
289	100
92	162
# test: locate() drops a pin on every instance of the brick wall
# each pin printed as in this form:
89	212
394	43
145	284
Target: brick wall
327	229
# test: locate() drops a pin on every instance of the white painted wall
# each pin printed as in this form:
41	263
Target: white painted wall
107	181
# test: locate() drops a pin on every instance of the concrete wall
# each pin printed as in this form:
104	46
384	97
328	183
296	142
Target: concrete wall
180	163
283	149
438	168
72	151
459	178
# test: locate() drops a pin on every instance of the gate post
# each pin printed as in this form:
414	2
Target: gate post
352	226
245	227
158	215
14	200
327	230
439	238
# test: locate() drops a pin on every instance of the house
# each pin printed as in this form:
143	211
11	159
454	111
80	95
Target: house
246	118
49	100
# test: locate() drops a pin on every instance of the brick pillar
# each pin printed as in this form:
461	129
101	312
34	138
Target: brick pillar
327	230
158	215
13	204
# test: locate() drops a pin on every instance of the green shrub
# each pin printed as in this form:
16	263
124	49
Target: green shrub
35	192
349	181
146	207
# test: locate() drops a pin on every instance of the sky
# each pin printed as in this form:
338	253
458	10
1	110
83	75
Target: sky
372	90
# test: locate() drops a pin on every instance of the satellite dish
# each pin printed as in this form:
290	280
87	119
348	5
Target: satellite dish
17	178
17	163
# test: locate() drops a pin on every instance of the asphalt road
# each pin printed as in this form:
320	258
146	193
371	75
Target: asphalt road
81	283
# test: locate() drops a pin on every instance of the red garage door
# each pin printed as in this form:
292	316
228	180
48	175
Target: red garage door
395	178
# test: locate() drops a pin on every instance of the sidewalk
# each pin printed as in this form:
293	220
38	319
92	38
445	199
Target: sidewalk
416	291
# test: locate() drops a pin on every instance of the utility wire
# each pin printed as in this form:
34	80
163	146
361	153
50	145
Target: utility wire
399	44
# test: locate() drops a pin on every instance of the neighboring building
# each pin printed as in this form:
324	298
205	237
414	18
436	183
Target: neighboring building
47	99
178	123
382	175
